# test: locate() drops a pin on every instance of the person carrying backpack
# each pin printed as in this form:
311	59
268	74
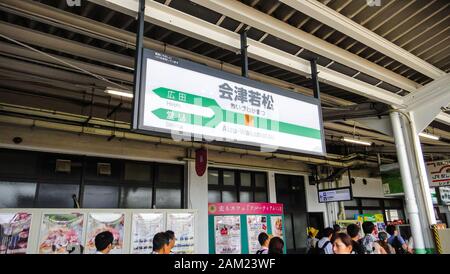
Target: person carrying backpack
324	245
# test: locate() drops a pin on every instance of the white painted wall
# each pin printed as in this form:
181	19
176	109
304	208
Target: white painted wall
373	188
198	199
312	201
271	187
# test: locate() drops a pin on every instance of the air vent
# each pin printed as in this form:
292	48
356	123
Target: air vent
104	169
64	166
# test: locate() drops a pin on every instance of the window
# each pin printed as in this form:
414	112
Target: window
236	186
56	195
37	179
16	195
392	209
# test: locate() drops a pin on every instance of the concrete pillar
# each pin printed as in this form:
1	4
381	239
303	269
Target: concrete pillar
198	199
271	187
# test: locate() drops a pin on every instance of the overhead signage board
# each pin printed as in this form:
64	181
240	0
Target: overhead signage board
189	101
335	195
439	173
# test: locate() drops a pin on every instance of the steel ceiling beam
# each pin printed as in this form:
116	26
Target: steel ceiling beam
347	26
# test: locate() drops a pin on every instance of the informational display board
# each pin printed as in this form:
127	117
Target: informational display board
444	194
335	195
14	232
73	231
144	227
439	173
99	222
377	219
182	99
234	227
391	179
183	225
60	233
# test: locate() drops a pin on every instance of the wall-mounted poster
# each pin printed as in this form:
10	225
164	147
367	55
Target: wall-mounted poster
14	231
144	227
61	233
255	225
228	234
99	222
182	224
277	226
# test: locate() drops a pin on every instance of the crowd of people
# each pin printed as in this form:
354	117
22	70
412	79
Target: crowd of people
335	241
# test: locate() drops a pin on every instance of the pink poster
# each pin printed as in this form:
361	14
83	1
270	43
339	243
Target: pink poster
245	208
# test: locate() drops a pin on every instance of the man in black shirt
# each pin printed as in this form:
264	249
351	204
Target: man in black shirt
353	232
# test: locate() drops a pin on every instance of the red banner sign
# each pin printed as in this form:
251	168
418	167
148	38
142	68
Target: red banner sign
244	208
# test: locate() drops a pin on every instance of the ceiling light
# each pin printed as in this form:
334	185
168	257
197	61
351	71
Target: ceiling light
355	141
122	93
429	136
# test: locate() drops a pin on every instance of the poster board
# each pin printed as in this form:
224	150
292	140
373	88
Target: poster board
67	228
234	227
183	225
144	227
14	232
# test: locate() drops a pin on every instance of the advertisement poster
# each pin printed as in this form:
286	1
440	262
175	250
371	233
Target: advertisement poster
377	219
277	226
392	180
61	233
182	224
99	222
227	234
144	227
14	231
255	225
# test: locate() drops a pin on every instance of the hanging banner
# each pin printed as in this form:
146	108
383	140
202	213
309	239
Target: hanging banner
439	173
245	208
189	101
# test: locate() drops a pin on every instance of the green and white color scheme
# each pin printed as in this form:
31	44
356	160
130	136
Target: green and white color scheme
195	102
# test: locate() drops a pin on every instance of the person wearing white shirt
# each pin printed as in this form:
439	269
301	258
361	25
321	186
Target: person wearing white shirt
325	243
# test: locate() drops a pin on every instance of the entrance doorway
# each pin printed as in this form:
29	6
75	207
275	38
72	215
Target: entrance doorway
315	219
291	193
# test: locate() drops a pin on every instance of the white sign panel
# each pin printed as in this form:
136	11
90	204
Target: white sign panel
190	101
444	193
334	195
439	173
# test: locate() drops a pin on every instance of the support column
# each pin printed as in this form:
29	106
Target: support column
198	199
411	203
272	187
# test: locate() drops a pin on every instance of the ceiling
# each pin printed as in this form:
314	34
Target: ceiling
420	27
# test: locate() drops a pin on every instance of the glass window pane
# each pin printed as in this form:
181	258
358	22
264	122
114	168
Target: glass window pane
137	172
351	203
168	198
96	196
245	197
393	203
213	196
170	174
56	195
15	195
246	179
350	214
370	202
60	168
260	197
228	178
136	197
229	196
260	180
213	177
16	162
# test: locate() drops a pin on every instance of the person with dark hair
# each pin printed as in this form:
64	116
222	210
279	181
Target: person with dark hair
396	240
336	228
369	241
342	244
311	240
172	240
324	245
103	242
353	232
263	240
386	248
161	242
276	245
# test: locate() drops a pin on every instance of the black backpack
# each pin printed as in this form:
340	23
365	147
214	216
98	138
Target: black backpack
317	249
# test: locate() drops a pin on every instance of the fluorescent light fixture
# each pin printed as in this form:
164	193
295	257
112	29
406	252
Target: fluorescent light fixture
355	141
117	92
429	136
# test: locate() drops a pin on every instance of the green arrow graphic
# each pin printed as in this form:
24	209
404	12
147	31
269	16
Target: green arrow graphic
222	115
